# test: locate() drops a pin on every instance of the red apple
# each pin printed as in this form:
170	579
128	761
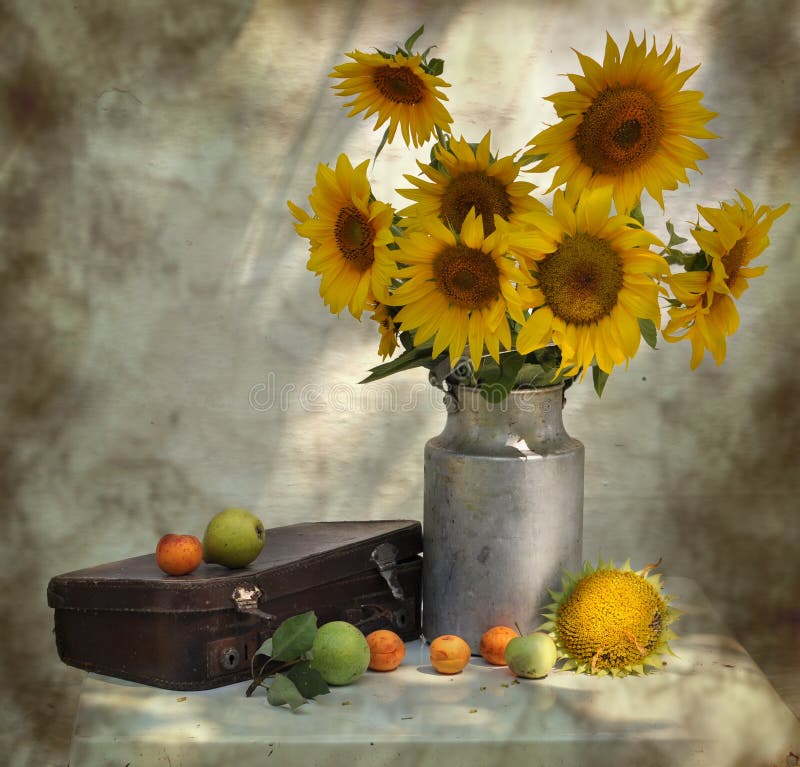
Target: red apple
178	554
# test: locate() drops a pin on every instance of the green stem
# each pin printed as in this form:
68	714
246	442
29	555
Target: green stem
258	679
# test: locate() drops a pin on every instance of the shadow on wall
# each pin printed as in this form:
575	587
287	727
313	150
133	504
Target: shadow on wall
752	526
54	68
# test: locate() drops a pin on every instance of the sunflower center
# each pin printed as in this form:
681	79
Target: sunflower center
621	130
399	84
733	260
475	189
613	618
582	279
355	237
467	277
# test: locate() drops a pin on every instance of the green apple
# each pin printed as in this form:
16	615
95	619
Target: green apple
340	652
531	656
233	538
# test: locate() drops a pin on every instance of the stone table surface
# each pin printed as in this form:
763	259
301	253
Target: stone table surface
711	705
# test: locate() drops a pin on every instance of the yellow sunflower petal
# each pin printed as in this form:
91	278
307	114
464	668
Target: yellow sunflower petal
349	237
399	90
627	124
467	177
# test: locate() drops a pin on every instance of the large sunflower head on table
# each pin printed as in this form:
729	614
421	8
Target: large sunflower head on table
487	281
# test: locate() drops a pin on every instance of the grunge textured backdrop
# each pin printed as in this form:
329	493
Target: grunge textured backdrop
165	352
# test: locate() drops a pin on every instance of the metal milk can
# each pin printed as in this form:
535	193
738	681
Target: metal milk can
503	512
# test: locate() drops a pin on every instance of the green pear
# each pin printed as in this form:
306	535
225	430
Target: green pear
340	652
233	538
531	656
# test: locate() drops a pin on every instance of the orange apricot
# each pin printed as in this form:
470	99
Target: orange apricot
449	654
493	644
178	554
386	650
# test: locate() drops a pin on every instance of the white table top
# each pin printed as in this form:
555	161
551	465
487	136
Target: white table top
710	706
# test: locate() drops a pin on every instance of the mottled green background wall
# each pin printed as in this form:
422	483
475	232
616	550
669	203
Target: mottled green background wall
159	326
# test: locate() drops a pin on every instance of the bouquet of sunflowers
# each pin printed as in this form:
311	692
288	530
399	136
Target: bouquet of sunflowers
479	273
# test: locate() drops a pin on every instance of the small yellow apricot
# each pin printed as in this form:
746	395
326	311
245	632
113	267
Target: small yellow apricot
493	644
386	650
449	654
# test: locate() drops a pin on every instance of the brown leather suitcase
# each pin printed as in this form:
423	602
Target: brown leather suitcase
127	619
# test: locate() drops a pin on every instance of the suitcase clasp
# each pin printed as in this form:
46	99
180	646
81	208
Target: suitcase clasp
385	557
246	599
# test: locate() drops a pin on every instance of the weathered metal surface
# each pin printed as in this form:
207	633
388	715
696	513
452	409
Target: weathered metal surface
503	513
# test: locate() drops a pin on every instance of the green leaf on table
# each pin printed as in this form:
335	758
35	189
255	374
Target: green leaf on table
266	648
308	681
294	636
283	690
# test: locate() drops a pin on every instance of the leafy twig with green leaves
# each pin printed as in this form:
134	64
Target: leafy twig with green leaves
286	659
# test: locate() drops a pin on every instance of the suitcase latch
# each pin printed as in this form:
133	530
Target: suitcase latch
246	599
385	557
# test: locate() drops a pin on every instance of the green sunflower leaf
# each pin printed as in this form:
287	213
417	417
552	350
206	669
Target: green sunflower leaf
294	636
637	213
489	371
549	357
510	365
413	39
531	374
696	262
283	690
599	378
649	331
381	145
411	358
435	67
527	159
424	57
674	239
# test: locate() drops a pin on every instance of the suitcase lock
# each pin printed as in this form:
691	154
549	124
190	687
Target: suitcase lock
385	558
246	599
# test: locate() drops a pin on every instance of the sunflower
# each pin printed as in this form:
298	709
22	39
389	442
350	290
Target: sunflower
593	278
459	287
468	177
348	237
626	124
610	620
387	328
399	89
739	235
706	327
708	313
